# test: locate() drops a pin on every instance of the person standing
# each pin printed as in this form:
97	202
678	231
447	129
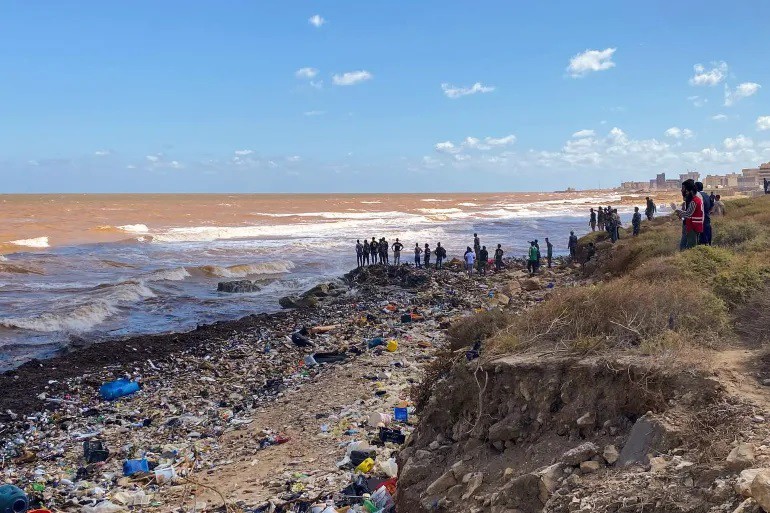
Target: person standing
592	220
499	257
649	209
600	219
417	253
692	216
483	260
359	253
470	258
397	247
548	251
705	237
385	248
712	197
616	224
366	253
426	255
476	245
440	255
374	249
572	245
532	260
636	221
719	207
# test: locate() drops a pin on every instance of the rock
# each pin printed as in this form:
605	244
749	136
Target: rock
522	491
320	290
760	489
589	419
531	284
298	302
657	464
650	435
459	469
741	457
442	484
589	467
581	453
502	431
610	454
236	287
747	506
549	480
474	483
743	483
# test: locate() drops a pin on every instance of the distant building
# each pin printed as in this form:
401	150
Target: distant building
660	181
653	184
673	183
634	186
690	175
714	182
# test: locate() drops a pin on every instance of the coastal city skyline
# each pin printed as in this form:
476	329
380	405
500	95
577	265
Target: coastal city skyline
357	97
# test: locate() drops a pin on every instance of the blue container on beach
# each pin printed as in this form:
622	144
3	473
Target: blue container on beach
115	389
376	342
401	414
131	467
13	499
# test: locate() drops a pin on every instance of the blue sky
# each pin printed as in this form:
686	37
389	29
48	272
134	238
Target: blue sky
297	96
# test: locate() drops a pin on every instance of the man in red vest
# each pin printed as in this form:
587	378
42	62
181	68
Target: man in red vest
693	216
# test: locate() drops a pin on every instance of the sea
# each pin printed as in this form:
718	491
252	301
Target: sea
91	267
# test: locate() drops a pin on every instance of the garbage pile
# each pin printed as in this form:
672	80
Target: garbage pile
148	436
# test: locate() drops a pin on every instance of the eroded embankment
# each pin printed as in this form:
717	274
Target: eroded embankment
543	422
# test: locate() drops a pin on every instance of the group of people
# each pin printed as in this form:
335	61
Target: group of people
696	212
534	257
606	219
374	252
478	257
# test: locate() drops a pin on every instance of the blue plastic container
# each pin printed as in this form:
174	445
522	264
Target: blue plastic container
400	414
375	342
13	499
131	467
115	389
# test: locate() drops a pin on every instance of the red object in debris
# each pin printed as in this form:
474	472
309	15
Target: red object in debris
281	439
390	485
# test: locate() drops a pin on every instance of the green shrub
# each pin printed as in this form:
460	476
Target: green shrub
737	284
475	328
728	232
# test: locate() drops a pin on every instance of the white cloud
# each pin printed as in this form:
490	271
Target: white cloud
456	92
352	78
502	141
446	147
102	153
294	158
679	133
318	84
710	77
316	20
314	113
130	166
698	101
153	158
583	133
474	143
243	152
590	60
743	90
737	143
763	123
174	164
719	117
306	73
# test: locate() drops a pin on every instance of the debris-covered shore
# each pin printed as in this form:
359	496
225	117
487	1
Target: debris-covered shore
257	414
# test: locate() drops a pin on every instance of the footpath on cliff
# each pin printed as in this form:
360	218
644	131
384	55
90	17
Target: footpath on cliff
253	415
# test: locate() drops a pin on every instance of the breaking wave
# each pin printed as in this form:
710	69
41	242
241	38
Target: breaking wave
134	228
38	242
175	274
6	267
241	271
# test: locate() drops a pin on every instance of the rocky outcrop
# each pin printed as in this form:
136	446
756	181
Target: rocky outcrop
238	286
312	297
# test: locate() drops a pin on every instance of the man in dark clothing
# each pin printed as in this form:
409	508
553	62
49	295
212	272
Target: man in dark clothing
600	218
397	247
572	245
476	248
499	257
374	249
385	248
483	260
366	252
705	237
440	253
532	260
417	252
713	198
359	253
636	221
592	220
426	255
548	251
590	251
650	209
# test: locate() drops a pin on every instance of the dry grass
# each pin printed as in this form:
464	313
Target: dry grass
475	328
420	393
752	320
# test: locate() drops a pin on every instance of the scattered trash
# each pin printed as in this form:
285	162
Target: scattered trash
118	388
392	435
94	451
401	414
392	346
131	467
375	342
13	500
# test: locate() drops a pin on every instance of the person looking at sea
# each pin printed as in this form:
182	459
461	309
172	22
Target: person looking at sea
571	245
417	253
374	249
470	258
499	257
440	255
397	247
636	221
548	251
592	220
426	255
359	253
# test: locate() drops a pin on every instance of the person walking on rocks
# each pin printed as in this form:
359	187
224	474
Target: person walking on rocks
365	254
572	245
548	251
470	258
397	247
592	220
499	257
532	260
359	253
374	249
440	255
483	260
417	253
426	255
636	221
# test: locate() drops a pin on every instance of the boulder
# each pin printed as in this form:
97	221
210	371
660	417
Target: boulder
298	302
503	430
589	467
741	457
658	464
320	290
549	480
239	286
531	284
650	435
581	453
474	482
610	454
760	489
442	484
743	483
587	420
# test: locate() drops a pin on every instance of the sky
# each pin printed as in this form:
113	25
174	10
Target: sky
398	96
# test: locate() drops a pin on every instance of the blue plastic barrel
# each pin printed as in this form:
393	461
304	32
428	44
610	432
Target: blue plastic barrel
131	467
119	388
13	499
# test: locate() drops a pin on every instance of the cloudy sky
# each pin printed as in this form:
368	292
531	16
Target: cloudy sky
299	96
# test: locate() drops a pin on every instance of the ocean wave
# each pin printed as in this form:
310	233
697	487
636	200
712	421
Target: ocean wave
243	270
434	200
6	267
38	242
174	274
370	202
134	228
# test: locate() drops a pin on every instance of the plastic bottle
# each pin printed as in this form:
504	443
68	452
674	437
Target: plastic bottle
13	500
119	388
